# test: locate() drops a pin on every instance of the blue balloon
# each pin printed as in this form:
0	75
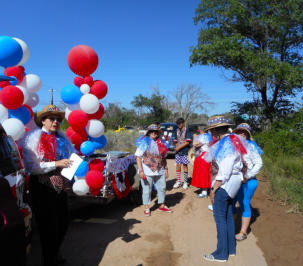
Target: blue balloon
10	52
21	113
99	143
87	148
71	94
82	169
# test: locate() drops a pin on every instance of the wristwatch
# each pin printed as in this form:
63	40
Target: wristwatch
212	189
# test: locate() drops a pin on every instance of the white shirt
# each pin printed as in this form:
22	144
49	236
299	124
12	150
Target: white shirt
230	174
254	163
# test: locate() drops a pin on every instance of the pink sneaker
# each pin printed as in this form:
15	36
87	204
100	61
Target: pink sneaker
165	209
147	212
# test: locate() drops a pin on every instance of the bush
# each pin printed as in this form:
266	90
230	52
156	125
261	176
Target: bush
283	159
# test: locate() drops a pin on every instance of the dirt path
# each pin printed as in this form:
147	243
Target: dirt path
279	232
174	239
119	234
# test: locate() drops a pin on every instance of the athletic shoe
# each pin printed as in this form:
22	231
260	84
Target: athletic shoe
185	185
177	184
210	207
147	212
165	209
210	257
202	195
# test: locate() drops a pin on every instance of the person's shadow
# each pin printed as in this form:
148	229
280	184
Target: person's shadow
255	213
92	228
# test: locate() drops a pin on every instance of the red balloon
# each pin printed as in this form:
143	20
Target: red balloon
78	119
29	109
88	80
11	97
82	60
96	164
94	179
99	89
16	71
4	83
76	137
98	114
78	81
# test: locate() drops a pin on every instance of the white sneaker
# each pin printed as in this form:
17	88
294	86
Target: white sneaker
210	207
177	184
185	185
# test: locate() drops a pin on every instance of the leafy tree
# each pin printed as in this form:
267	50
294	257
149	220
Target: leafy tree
115	116
260	41
151	108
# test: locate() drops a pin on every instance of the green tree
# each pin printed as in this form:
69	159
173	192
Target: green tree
116	116
152	108
259	41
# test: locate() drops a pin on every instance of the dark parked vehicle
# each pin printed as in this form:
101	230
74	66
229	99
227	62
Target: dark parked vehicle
167	132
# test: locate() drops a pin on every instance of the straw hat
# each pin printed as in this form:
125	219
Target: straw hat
245	127
217	121
152	127
49	110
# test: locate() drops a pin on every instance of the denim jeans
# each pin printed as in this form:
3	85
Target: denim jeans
160	184
223	215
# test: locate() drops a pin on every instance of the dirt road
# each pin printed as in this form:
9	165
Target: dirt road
119	234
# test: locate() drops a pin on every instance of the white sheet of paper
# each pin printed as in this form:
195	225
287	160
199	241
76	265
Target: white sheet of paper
70	171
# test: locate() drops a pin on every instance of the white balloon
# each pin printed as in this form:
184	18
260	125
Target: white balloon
31	82
14	128
69	108
3	113
25	93
85	88
33	100
25	51
94	128
89	103
80	187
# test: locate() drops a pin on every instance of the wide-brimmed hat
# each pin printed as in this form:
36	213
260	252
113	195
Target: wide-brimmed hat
152	127
49	110
245	127
218	121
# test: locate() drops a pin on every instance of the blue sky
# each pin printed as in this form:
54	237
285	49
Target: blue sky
140	44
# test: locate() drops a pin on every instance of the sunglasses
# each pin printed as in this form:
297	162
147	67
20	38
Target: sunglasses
53	118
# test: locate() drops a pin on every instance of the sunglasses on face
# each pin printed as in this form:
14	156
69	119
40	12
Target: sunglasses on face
155	131
54	118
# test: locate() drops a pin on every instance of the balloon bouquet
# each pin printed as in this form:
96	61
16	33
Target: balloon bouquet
18	93
83	113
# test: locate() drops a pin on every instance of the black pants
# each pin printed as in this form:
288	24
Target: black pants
51	213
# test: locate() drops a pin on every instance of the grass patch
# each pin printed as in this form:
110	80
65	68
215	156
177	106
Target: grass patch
121	141
285	175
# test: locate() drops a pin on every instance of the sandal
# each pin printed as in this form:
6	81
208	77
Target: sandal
147	212
241	236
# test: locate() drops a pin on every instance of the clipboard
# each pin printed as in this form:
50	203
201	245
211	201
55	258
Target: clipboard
70	171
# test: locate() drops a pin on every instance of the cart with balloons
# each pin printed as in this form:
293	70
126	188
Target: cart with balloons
102	176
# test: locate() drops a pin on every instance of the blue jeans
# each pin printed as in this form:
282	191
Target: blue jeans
160	184
223	215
